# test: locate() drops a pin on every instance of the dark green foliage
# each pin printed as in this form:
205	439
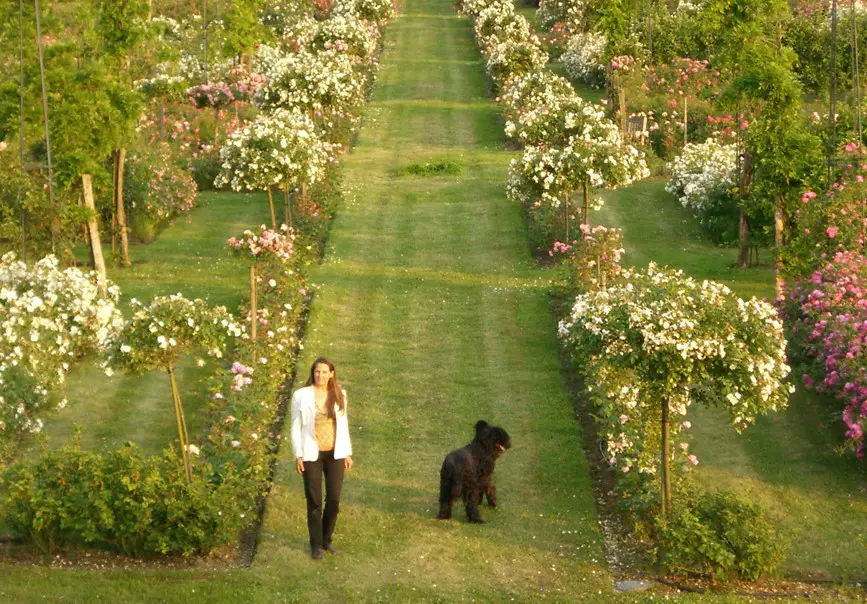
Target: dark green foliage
121	24
243	29
721	536
436	168
123	499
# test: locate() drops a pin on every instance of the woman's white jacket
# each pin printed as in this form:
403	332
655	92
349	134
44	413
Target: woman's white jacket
303	434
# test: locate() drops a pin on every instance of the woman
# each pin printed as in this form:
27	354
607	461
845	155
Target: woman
320	443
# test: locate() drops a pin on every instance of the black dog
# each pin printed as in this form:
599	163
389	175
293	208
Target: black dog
467	471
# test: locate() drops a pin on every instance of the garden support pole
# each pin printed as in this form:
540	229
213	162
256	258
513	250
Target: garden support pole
254	317
666	470
93	228
119	160
271	207
779	225
566	216
587	202
685	121
183	437
832	95
54	225
287	207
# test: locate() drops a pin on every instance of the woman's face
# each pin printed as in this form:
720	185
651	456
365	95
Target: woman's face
321	374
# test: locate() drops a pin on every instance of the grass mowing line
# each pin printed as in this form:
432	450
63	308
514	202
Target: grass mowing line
421	274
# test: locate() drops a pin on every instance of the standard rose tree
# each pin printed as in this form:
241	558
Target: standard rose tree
661	341
157	336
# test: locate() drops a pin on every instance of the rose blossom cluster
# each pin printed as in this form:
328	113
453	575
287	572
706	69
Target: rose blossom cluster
278	244
826	315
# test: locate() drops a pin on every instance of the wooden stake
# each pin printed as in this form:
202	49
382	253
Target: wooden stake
779	225
253	310
271	207
287	207
666	473
183	437
93	227
119	159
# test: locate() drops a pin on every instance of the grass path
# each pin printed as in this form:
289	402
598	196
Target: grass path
433	308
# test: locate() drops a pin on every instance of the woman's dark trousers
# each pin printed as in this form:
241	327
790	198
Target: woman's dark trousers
321	525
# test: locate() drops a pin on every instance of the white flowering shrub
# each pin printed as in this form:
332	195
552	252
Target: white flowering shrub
663	339
498	23
510	59
528	91
159	333
281	148
472	8
552	122
48	318
594	152
702	173
584	58
347	34
379	12
571	13
323	83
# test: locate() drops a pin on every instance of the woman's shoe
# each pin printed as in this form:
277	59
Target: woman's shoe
316	554
331	549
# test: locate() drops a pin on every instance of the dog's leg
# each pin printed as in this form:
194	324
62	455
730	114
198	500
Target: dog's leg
473	499
491	494
447	495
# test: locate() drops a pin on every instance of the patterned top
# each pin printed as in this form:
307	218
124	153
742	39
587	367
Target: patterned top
325	428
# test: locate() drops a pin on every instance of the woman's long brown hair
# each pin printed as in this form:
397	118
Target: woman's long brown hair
335	392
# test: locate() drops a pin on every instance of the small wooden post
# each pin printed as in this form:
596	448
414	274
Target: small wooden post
287	207
587	202
666	473
93	228
778	245
119	159
271	207
254	318
183	437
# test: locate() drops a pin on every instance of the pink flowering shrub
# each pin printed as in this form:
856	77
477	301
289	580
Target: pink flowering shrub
827	222
683	88
268	241
217	94
156	189
594	259
826	315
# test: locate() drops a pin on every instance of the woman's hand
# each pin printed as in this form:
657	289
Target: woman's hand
347	463
299	465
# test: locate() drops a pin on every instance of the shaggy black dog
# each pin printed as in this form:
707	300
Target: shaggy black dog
467	472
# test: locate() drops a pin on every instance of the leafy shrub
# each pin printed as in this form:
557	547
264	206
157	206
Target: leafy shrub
125	500
702	178
719	535
156	187
438	168
826	320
